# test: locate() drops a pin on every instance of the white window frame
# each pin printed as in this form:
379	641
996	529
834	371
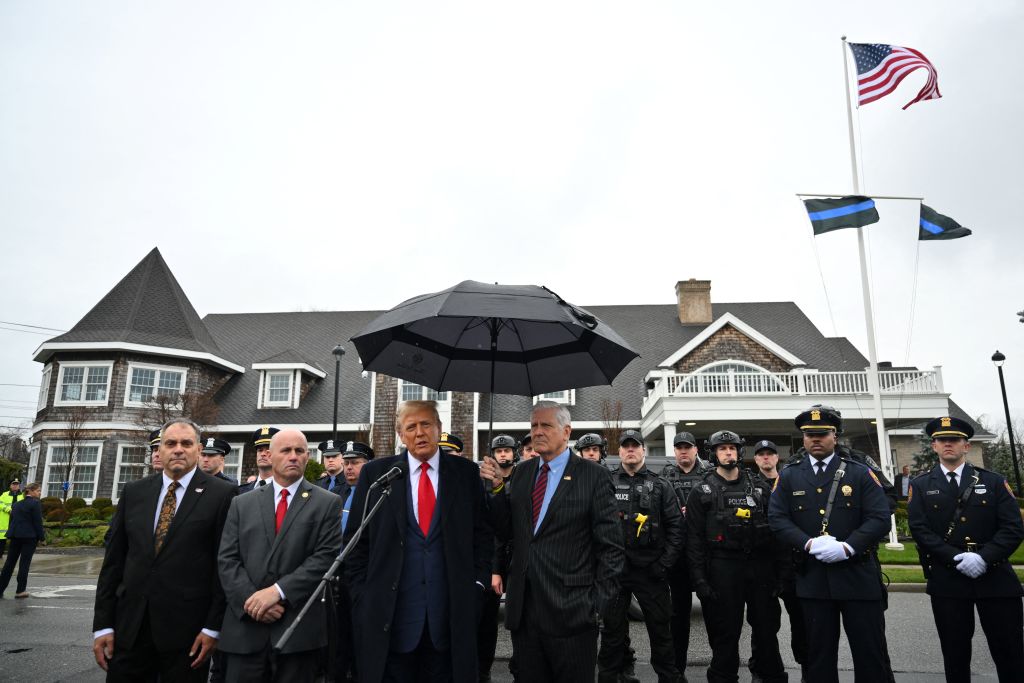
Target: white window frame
108	364
96	477
423	391
294	380
44	388
33	463
568	397
146	466
159	369
235	471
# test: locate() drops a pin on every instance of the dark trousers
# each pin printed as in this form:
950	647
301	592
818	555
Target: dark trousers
797	631
653	596
22	550
344	664
266	667
144	663
544	658
742	583
425	664
682	605
487	631
864	623
1002	620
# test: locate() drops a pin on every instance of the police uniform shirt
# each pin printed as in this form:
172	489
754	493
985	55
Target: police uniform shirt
959	471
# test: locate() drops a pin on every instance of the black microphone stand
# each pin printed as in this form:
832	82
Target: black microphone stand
385	491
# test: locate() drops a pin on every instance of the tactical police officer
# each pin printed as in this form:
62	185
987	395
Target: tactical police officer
966	524
687	470
832	511
733	561
503	450
652	529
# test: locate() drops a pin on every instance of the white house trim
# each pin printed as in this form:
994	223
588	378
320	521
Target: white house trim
96	475
159	370
581	424
744	328
108	364
46	349
105	426
309	427
308	369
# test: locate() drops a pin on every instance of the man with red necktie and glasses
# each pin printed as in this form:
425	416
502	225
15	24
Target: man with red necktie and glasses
417	572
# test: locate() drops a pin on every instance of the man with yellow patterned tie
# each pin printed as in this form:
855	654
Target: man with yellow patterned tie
159	605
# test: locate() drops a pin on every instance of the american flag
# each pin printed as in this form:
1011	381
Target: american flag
880	68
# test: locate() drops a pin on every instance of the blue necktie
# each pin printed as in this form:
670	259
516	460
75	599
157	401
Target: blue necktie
331	487
344	510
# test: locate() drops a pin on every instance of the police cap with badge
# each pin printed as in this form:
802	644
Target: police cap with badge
949	427
765	445
356	449
631	435
262	436
329	448
450	442
154	438
684	439
212	446
819	419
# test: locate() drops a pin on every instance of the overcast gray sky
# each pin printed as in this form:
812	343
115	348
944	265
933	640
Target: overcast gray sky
343	155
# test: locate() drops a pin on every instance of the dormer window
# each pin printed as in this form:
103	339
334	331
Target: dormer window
278	389
149	382
281	382
83	383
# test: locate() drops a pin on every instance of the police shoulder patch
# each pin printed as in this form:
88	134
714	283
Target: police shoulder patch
874	477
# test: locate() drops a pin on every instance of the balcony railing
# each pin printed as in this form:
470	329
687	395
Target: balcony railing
800	383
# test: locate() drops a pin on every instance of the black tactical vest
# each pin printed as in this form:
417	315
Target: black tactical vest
639	502
737	513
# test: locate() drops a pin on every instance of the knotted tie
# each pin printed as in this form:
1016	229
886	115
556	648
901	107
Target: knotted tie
166	515
539	488
954	488
263	482
821	467
282	510
426	499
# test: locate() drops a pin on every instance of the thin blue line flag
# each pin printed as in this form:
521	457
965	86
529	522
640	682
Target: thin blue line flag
847	212
935	226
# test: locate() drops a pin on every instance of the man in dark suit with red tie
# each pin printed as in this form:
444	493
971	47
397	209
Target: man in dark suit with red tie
559	511
417	572
159	604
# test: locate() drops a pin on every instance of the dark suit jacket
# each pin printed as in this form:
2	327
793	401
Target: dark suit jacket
340	485
374	568
991	519
253	556
573	562
897	486
27	519
860	517
177	589
249	486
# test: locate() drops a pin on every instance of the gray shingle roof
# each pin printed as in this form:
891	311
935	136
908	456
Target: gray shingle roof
146	307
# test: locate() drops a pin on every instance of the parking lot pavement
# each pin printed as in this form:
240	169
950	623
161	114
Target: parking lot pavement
47	637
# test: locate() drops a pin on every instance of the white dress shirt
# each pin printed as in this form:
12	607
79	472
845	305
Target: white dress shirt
959	472
292	490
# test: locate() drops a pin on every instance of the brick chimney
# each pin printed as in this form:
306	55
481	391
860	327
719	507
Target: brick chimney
694	298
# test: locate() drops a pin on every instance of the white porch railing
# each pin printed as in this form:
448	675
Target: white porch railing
800	383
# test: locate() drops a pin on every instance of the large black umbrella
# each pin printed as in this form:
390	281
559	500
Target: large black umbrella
506	339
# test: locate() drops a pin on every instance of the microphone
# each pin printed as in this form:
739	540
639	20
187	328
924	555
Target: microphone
387	477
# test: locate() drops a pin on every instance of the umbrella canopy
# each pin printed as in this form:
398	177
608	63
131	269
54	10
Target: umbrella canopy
506	339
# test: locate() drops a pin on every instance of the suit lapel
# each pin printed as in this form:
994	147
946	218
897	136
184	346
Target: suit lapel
151	502
295	509
398	503
266	510
560	492
443	474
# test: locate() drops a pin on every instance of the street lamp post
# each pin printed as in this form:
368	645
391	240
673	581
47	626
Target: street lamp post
999	359
338	352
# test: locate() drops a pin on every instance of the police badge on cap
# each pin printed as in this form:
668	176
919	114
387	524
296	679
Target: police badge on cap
216	447
329	448
765	445
949	427
356	449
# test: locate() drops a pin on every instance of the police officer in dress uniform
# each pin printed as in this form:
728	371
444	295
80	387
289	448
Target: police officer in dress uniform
734	561
832	511
450	444
261	442
766	460
154	451
211	459
503	450
333	478
966	524
687	470
652	529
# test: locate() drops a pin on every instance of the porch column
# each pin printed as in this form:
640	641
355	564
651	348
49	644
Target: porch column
669	428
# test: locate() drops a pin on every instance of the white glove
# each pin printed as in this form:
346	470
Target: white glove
970	565
816	544
829	551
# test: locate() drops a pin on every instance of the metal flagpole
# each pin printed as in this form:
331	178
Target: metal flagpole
873	384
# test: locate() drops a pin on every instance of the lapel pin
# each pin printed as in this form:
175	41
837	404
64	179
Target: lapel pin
305	494
199	490
567	478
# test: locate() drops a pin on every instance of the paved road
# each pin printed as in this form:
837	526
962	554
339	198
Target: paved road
46	637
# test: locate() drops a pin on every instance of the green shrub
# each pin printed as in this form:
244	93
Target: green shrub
56	515
84	513
108	512
85	535
74	503
50	501
313	470
100	503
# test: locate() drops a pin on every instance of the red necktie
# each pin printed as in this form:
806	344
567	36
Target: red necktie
282	510
426	499
538	492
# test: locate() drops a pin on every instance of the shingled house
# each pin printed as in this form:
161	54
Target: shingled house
142	352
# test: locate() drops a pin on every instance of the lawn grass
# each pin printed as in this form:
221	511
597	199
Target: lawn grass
916	575
908	555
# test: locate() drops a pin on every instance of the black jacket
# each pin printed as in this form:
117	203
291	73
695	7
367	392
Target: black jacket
27	519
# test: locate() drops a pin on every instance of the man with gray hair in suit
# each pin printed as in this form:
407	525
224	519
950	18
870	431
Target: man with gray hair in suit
292	532
559	511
